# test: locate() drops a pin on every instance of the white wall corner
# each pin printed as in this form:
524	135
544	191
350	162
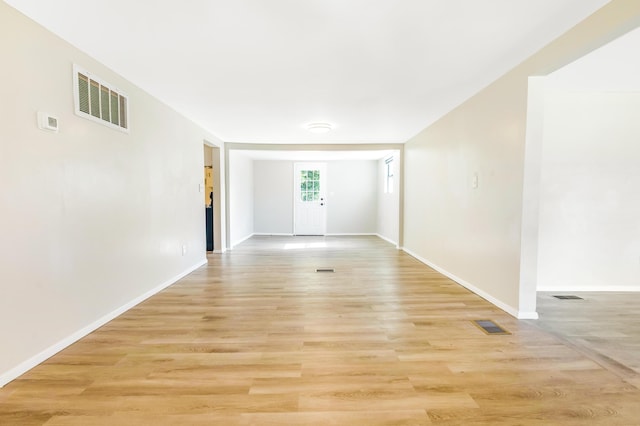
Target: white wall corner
527	315
39	358
530	220
382	237
486	296
242	240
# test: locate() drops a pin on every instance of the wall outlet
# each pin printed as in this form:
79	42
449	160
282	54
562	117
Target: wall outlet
474	180
184	249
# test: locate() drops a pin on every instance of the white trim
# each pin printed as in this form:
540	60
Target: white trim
489	298
527	315
273	234
32	362
600	288
242	240
395	243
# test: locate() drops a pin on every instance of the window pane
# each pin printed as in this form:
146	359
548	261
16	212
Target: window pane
316	174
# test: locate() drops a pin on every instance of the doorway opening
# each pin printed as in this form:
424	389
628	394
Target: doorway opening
212	198
586	239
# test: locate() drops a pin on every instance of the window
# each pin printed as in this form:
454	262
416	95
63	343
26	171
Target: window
388	182
99	101
310	185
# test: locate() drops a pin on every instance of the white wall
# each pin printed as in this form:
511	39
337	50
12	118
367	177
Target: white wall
240	197
352	202
387	225
589	230
351	197
474	235
273	197
92	218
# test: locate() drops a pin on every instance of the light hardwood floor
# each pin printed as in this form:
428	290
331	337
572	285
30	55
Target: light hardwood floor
258	337
605	326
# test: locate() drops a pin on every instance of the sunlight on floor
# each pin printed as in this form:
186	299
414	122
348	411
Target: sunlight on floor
298	246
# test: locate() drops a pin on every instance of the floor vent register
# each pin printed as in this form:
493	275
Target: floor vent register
490	327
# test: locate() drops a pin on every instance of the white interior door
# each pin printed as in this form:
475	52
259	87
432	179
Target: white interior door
310	207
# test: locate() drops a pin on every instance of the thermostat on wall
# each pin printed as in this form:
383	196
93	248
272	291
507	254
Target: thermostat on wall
47	121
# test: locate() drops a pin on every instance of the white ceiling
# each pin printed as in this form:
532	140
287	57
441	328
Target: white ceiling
259	70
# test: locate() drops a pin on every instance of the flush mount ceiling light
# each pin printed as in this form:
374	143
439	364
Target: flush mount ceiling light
319	128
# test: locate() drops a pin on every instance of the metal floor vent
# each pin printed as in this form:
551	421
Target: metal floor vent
568	297
325	270
490	327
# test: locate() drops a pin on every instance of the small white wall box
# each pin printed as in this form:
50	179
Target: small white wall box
47	121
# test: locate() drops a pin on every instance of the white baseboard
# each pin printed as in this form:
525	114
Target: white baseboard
27	365
350	234
486	296
242	240
527	315
272	234
395	243
601	288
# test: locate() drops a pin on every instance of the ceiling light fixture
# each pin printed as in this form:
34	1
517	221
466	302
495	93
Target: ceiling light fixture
319	128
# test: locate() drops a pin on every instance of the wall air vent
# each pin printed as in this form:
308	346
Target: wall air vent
99	101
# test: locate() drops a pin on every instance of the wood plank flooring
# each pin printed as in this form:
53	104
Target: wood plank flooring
258	337
605	326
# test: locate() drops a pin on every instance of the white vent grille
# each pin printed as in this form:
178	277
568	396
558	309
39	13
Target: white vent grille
99	101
